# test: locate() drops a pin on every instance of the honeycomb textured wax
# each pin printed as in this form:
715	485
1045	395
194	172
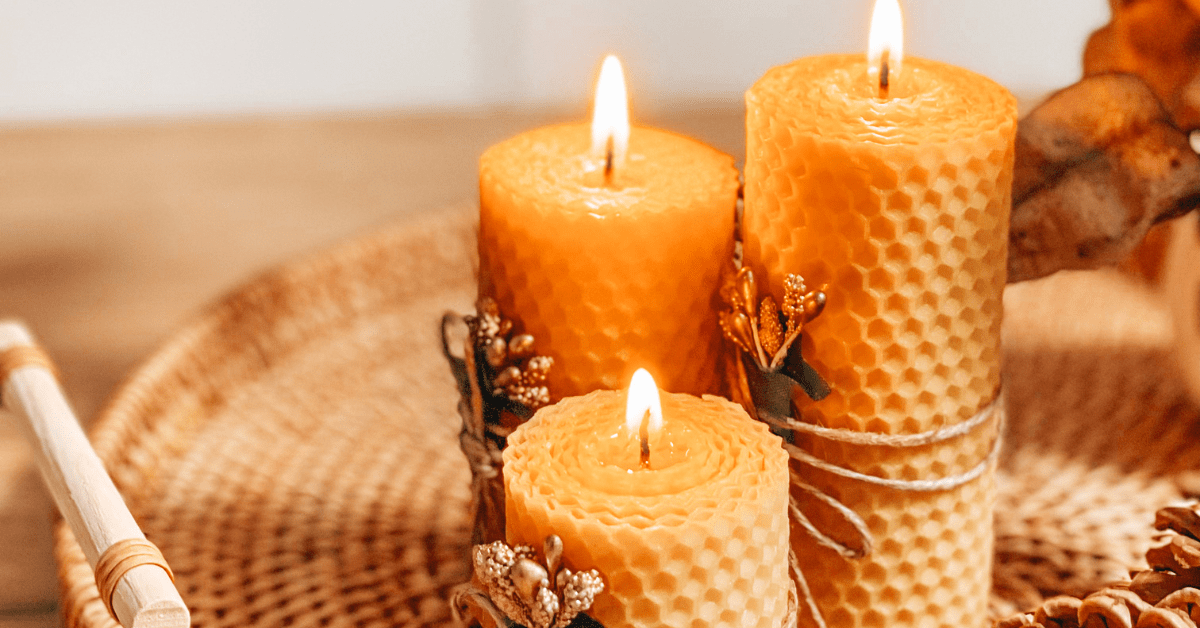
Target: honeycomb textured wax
901	206
610	277
698	540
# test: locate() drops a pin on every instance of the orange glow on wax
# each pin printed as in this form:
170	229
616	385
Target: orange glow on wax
610	116
699	541
885	45
574	246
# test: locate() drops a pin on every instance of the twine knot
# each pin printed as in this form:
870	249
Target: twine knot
862	543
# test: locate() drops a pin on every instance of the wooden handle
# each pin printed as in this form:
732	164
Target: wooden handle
144	596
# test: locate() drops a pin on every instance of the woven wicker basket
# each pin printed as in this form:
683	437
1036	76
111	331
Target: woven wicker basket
294	452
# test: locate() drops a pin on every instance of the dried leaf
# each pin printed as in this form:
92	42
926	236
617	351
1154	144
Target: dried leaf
1024	620
1181	519
1156	40
1186	600
1153	586
1162	559
1179	553
1096	166
1102	611
807	377
1165	618
1135	604
1059	612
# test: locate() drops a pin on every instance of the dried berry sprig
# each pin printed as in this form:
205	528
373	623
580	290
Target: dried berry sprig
768	334
514	371
499	377
517	589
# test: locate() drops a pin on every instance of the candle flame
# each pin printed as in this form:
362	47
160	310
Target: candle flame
643	398
885	46
610	116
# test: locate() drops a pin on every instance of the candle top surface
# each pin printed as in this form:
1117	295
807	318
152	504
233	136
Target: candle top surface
930	102
580	455
554	169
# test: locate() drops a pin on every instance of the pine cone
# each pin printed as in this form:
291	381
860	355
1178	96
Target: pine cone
1165	596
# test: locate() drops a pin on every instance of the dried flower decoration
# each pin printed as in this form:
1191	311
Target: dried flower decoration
1156	41
499	376
1097	165
767	335
517	590
514	372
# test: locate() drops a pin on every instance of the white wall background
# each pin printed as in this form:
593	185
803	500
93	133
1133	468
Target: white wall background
67	59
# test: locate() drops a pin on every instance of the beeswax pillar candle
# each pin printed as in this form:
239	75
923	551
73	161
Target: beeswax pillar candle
609	272
698	539
899	201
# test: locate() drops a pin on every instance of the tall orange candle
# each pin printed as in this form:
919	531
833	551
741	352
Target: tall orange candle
896	194
697	538
609	250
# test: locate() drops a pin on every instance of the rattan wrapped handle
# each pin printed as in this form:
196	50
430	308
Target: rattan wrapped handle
135	581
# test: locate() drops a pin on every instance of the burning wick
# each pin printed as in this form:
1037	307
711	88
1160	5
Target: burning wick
883	74
610	118
643	399
885	46
644	434
608	160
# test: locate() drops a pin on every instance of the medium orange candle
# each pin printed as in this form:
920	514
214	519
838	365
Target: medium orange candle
698	537
607	245
893	186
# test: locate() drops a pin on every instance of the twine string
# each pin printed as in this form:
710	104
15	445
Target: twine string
119	559
862	535
916	486
822	539
18	357
852	437
804	591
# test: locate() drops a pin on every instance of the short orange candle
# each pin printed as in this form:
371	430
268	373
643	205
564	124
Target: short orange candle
697	539
609	271
898	198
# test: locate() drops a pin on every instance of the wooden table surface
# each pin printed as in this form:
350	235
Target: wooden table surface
113	235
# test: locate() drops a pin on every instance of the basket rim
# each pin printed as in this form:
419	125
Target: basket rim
128	401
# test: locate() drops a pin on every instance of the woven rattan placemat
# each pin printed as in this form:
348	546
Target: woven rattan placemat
294	452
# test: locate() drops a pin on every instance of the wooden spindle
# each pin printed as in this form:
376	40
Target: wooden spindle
142	594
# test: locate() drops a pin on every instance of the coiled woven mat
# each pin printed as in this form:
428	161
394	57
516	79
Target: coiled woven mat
294	451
